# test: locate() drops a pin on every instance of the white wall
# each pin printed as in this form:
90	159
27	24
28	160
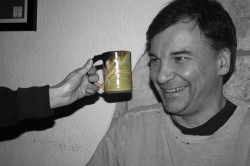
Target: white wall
68	33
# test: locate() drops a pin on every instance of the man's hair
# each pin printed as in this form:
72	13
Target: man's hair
213	21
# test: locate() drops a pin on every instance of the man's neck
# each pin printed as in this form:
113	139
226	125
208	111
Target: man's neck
213	124
202	115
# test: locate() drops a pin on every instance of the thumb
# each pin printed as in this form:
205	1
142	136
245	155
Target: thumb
88	65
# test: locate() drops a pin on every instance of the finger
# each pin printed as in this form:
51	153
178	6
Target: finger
88	65
93	87
94	78
92	70
90	91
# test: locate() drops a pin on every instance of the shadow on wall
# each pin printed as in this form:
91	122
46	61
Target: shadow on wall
13	132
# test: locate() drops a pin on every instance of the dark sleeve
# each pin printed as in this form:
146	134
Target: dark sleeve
24	103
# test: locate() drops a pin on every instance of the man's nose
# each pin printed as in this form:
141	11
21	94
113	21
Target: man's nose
165	74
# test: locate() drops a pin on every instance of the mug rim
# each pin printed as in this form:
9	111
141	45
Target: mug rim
116	51
101	56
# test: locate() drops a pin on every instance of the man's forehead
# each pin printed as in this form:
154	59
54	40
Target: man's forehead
177	37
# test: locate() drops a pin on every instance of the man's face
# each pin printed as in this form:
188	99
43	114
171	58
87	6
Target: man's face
184	69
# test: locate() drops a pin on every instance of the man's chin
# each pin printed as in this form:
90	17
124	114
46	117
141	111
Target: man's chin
173	106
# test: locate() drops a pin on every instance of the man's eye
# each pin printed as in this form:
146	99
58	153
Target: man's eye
180	59
154	60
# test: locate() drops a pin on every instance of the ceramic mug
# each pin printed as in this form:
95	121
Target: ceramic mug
116	71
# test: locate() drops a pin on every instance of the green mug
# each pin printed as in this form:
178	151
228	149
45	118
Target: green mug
116	70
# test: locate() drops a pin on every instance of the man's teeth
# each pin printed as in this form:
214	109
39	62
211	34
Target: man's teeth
175	89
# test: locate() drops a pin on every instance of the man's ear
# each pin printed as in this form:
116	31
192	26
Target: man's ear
224	61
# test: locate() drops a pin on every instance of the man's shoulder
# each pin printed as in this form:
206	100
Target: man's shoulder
139	113
144	111
243	108
239	101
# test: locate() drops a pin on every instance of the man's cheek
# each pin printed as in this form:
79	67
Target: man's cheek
189	73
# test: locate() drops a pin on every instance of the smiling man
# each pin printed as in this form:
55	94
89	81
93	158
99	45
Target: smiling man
192	49
188	73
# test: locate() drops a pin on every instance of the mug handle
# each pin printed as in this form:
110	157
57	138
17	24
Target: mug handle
95	59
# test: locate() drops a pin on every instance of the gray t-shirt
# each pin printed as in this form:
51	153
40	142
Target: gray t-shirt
146	136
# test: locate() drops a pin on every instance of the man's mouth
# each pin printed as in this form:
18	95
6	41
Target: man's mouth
174	90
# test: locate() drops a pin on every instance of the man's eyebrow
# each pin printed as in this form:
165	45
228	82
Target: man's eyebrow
151	54
184	51
173	53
